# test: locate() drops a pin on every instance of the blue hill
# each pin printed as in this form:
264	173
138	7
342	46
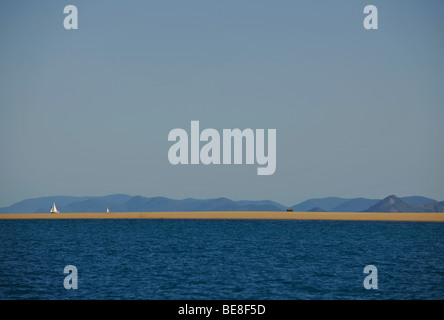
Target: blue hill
355	205
327	204
418	200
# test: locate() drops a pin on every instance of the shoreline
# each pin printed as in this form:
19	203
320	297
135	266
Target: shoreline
238	215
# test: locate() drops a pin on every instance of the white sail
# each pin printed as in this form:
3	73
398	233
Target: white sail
107	209
53	209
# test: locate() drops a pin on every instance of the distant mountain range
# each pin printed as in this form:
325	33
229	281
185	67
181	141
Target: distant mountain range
127	203
388	204
395	204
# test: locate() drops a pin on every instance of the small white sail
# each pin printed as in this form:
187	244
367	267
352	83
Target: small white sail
107	210
54	209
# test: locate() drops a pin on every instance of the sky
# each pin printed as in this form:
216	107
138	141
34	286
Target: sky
87	112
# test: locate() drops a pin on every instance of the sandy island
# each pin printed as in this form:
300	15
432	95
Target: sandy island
249	215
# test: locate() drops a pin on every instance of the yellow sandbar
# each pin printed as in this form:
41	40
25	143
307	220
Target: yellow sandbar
264	215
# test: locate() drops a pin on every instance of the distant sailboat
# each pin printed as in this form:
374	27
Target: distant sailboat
54	209
107	210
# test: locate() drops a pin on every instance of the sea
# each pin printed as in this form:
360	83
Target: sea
221	259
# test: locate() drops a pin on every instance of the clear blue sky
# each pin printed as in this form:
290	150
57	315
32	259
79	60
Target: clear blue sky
88	111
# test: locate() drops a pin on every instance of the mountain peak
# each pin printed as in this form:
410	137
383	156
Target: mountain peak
393	204
391	200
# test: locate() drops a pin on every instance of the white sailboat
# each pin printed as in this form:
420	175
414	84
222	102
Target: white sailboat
107	210
54	209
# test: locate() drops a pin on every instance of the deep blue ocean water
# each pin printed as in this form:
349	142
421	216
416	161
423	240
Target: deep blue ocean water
220	259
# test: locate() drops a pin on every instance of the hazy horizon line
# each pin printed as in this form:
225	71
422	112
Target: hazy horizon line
212	198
